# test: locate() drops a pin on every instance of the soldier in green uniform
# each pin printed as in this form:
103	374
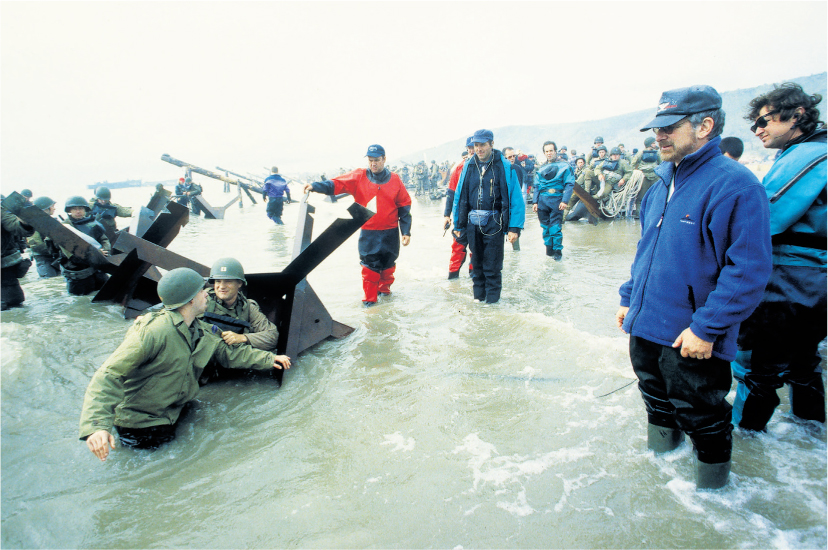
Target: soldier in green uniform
646	160
82	277
580	175
226	304
46	254
142	389
592	183
624	154
421	178
105	211
615	173
14	265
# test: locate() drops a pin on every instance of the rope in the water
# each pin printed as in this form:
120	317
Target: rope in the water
617	389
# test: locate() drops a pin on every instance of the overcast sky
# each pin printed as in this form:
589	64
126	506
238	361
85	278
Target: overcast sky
93	91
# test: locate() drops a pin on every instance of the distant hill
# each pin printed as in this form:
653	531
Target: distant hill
625	128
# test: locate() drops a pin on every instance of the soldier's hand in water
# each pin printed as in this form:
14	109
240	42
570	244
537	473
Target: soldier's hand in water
100	442
231	338
281	362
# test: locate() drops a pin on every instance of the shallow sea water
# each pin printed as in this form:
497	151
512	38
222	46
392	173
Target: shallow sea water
439	422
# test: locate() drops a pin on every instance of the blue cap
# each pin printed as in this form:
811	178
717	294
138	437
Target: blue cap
469	142
375	151
674	105
273	178
482	136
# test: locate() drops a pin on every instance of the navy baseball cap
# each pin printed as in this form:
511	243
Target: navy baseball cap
674	105
482	136
375	151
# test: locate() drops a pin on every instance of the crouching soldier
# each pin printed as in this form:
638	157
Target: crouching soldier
142	389
613	173
240	319
82	277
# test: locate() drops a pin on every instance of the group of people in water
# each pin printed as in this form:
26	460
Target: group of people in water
729	276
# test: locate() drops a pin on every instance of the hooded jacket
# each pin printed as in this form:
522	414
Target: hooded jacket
704	257
558	185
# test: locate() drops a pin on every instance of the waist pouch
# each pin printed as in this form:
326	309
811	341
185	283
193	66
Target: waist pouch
481	217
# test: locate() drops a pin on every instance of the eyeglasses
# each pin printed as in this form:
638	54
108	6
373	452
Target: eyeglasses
510	157
671	128
762	122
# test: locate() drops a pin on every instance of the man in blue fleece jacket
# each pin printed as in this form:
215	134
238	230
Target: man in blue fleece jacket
700	269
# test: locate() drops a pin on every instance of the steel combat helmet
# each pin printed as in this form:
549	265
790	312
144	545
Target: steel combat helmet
227	268
103	193
43	202
77	200
179	286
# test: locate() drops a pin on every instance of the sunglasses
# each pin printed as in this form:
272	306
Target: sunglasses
762	122
671	128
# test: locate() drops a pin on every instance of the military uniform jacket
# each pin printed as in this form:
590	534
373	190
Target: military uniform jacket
42	246
106	213
154	372
262	333
13	229
90	227
647	164
614	171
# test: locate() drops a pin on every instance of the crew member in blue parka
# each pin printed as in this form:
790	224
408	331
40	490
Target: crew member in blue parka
779	342
488	204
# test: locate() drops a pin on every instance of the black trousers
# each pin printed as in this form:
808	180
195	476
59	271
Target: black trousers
486	247
151	437
274	207
379	248
82	287
686	394
10	289
146	438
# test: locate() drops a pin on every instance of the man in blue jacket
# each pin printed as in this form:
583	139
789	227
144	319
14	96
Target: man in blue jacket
273	192
778	343
487	205
700	268
553	189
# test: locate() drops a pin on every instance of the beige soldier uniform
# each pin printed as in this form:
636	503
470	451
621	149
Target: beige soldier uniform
616	174
262	334
154	373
